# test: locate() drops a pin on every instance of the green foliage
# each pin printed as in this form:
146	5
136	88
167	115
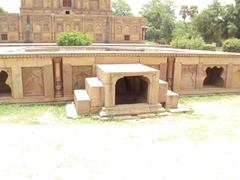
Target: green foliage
197	43
159	17
183	29
231	45
186	11
121	8
237	17
185	42
2	10
229	28
209	23
209	47
74	39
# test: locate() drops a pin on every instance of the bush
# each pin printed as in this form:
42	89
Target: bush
188	43
231	45
74	39
209	47
196	43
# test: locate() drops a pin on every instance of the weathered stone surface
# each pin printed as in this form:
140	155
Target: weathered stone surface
163	89
172	100
43	20
79	74
33	81
82	101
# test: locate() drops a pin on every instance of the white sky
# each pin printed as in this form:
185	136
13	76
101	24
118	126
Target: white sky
13	5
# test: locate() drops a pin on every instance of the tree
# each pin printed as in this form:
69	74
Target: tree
209	23
2	10
186	11
183	29
237	17
192	11
121	8
229	19
159	17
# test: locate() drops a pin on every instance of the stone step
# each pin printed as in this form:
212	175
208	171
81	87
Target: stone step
131	109
172	100
163	89
82	101
71	111
95	90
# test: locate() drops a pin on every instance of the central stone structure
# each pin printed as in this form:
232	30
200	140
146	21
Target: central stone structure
124	89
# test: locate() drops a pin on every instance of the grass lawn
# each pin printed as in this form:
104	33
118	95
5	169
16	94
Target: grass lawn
39	142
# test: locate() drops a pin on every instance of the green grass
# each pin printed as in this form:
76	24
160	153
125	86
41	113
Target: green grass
49	114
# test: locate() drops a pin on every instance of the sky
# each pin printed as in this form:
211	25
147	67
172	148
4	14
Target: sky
12	6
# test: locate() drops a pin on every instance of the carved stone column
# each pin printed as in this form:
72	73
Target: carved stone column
58	82
170	71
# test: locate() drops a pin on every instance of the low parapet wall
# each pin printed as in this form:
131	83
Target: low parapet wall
41	76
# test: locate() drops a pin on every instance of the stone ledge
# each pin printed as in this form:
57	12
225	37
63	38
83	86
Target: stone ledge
131	109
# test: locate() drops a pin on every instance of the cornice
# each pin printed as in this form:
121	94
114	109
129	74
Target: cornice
113	54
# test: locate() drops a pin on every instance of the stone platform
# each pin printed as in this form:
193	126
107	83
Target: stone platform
124	89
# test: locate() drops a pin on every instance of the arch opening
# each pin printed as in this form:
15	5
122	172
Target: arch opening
214	78
131	90
5	89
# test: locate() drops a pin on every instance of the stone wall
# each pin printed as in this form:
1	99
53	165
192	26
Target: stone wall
196	75
42	21
53	76
9	28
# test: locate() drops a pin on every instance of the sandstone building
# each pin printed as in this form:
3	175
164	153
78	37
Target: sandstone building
43	20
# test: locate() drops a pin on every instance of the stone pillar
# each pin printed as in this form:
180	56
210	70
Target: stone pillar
177	77
170	71
58	83
163	72
108	96
200	76
53	32
229	75
154	87
67	80
17	90
48	81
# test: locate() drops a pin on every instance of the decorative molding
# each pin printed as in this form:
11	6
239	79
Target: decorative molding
109	54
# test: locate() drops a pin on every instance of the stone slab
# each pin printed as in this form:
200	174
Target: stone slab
94	82
125	68
95	88
163	89
131	109
172	100
82	101
71	111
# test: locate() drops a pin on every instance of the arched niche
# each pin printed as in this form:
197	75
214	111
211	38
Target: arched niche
214	77
5	89
131	90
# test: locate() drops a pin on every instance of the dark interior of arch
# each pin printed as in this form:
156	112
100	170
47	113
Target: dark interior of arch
5	89
131	90
214	77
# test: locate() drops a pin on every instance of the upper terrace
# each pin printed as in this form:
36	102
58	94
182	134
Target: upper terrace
49	49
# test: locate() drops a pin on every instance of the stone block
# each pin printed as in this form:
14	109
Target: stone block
95	88
82	101
172	100
131	109
163	89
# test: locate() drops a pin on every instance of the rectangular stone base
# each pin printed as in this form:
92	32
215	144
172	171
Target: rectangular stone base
82	101
172	100
131	109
